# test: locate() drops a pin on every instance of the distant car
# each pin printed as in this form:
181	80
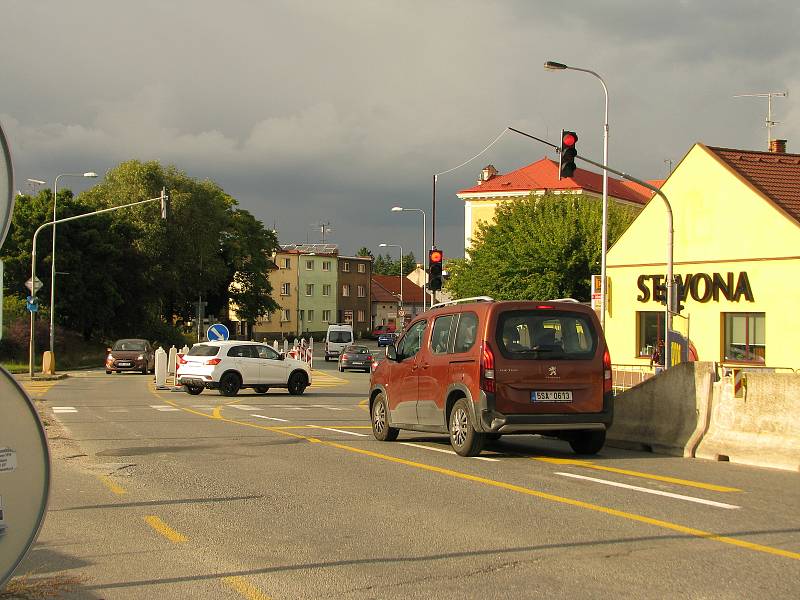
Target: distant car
232	365
130	355
379	329
386	339
356	357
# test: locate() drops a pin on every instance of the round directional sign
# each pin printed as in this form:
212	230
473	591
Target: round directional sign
24	475
6	187
217	333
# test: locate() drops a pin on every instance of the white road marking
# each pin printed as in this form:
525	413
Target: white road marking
118	410
649	491
64	409
341	431
328	406
204	406
445	451
243	406
272	418
164	407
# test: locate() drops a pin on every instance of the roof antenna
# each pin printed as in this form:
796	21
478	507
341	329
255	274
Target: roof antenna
769	122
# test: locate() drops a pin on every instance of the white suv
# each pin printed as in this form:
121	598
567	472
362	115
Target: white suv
231	365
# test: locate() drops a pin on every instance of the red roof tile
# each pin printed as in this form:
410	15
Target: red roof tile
543	175
388	287
776	175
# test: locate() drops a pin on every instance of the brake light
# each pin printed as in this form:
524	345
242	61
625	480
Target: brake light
607	381
213	361
544	306
369	359
487	368
181	360
345	357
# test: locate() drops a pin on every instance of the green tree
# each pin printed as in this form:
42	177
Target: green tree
364	251
385	265
538	248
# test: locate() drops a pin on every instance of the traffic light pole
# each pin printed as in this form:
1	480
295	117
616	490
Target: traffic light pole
670	238
31	352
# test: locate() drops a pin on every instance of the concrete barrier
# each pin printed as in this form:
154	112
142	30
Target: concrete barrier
666	414
762	428
48	363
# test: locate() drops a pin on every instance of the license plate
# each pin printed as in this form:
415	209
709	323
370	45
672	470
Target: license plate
358	363
551	396
124	363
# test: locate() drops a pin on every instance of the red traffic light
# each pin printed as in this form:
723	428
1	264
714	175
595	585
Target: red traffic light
569	139
435	256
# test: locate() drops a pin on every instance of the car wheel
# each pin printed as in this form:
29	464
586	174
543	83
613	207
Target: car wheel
380	421
587	442
229	384
194	390
144	368
463	437
297	383
108	372
261	389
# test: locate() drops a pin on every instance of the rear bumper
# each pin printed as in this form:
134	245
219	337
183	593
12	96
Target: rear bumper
197	381
492	421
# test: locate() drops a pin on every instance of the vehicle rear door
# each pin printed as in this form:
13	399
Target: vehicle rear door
434	366
403	379
272	370
244	359
549	361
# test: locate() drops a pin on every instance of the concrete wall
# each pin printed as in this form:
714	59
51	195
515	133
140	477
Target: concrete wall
685	412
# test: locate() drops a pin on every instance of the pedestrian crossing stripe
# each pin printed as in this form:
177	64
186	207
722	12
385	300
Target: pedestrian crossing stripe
37	389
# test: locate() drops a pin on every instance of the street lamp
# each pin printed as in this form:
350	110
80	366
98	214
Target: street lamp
557	66
424	251
53	255
401	268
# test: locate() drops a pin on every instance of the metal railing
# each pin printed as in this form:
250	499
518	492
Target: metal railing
624	377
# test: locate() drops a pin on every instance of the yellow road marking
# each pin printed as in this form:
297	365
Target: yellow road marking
113	485
165	530
590	465
245	588
527	491
363	404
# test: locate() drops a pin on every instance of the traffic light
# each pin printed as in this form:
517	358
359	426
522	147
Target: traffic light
678	298
566	165
435	260
660	293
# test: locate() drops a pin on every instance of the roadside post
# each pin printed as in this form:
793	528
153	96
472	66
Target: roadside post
161	369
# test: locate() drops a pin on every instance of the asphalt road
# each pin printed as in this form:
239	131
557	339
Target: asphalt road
159	494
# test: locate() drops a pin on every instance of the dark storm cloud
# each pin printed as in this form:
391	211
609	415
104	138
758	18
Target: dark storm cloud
337	111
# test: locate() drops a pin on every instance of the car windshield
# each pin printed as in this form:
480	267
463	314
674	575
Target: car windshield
129	345
357	350
340	337
203	350
532	335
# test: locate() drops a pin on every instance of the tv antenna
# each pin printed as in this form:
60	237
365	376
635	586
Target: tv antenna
769	122
324	228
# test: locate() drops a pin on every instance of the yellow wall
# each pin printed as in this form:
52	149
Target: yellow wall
721	225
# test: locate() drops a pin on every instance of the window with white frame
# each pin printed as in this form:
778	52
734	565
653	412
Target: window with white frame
286	263
326	316
285	289
309	289
362	268
361	316
309	265
287	315
346	290
326	265
362	291
326	289
346	266
310	316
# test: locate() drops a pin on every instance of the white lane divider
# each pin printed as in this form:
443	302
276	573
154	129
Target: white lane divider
243	406
164	407
64	409
649	491
272	418
445	451
341	431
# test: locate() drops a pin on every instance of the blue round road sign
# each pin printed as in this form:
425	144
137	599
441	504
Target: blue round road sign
217	333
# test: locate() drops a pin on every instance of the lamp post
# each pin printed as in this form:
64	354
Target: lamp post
556	66
401	269
53	255
424	251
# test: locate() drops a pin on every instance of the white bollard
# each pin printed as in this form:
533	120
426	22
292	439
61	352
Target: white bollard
285	346
275	346
172	361
161	369
185	349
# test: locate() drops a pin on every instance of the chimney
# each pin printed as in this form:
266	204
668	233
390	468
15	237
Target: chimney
487	173
777	146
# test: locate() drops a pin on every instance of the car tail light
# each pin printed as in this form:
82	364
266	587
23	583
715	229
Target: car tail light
545	306
370	359
213	361
487	367
345	357
607	381
181	360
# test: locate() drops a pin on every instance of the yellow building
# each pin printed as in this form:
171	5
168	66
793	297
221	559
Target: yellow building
736	250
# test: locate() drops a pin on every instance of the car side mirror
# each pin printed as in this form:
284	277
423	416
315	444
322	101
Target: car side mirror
391	353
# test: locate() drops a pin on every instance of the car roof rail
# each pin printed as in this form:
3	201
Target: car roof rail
464	300
564	300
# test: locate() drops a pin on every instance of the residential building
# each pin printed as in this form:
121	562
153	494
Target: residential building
354	293
387	303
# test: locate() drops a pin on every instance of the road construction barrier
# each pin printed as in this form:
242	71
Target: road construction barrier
760	428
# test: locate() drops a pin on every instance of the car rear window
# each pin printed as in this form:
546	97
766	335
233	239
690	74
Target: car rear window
340	337
545	335
203	350
357	349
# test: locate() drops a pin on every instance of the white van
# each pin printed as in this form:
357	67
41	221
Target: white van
338	336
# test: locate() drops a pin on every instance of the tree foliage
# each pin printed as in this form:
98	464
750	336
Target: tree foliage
538	248
386	265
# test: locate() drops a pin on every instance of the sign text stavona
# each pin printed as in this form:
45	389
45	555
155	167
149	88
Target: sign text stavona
702	287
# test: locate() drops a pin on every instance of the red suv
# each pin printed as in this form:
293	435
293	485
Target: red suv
479	369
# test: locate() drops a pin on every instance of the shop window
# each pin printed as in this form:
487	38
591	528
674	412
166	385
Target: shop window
650	331
744	339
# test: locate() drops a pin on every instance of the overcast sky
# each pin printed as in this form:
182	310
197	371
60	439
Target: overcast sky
335	111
